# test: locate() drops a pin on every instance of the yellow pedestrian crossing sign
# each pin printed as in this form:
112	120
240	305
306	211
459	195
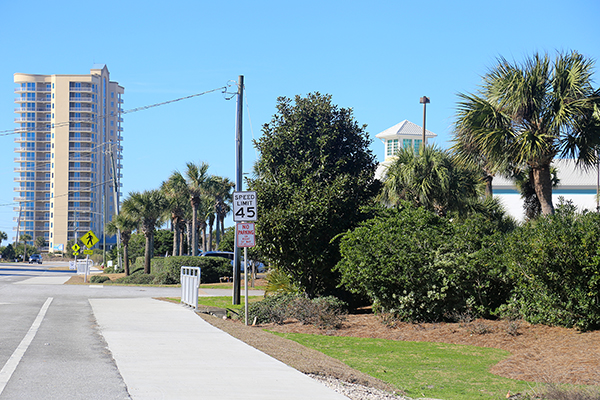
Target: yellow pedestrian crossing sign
75	247
89	239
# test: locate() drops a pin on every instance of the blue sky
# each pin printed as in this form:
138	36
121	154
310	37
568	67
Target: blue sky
377	58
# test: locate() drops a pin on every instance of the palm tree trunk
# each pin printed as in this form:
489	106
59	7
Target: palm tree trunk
489	191
182	228
194	251
176	236
211	221
542	183
126	258
203	228
189	236
147	252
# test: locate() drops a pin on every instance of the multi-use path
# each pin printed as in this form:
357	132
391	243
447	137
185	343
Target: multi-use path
91	342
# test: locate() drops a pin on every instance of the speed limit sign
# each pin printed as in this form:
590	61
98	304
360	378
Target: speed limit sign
244	206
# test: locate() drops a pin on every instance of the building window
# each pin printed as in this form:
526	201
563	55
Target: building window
392	147
418	143
406	143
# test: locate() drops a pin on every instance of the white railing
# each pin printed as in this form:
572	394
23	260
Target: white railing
190	282
82	266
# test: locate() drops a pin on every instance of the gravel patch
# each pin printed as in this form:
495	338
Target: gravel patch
355	391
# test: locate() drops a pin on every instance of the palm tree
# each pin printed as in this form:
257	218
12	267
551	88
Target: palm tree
430	179
147	208
222	191
467	153
196	178
25	238
123	224
528	114
175	191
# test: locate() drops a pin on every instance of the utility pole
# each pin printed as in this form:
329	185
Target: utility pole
238	183
424	100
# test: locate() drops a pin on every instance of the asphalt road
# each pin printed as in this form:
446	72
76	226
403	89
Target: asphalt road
50	345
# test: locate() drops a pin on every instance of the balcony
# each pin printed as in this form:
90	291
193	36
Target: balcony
81	129
80	189
81	139
79	158
80	178
81	109
30	169
81	209
36	129
82	119
80	169
80	198
25	119
87	89
85	99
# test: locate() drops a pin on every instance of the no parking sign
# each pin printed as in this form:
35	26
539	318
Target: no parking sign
245	234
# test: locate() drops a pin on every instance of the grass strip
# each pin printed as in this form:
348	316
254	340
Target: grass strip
421	369
222	302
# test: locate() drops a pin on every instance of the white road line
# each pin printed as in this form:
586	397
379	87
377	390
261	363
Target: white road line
14	360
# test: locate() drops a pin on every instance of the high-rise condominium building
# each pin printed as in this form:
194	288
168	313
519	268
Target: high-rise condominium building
68	156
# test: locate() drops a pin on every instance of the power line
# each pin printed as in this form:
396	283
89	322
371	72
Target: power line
222	88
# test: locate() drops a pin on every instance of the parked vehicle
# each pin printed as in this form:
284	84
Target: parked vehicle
35	258
222	254
260	267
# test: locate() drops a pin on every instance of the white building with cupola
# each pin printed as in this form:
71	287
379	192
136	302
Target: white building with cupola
404	135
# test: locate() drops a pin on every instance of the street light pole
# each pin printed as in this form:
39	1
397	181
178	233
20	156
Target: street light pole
424	100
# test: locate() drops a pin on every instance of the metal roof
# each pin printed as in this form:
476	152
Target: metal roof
404	128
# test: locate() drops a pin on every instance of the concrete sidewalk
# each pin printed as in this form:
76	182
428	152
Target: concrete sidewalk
165	351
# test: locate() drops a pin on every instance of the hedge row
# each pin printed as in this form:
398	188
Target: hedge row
418	266
166	270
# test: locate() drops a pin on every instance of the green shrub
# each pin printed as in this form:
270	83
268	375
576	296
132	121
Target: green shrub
99	279
212	268
418	266
139	278
555	262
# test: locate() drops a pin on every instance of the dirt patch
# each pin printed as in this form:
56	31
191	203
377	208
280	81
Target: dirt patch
538	353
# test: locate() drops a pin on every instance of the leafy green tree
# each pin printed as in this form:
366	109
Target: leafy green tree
124	224
430	179
147	208
163	242
8	253
529	113
313	174
40	242
3	236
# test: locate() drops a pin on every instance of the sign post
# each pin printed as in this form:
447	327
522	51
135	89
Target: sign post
244	210
89	240
245	235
